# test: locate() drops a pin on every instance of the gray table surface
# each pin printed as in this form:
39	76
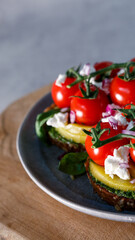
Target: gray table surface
40	39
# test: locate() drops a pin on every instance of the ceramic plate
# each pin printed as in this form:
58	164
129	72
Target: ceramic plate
41	164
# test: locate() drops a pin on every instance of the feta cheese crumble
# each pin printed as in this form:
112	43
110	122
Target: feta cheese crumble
118	163
121	119
97	84
58	120
61	79
114	115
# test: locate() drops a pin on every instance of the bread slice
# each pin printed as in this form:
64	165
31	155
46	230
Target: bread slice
63	143
119	202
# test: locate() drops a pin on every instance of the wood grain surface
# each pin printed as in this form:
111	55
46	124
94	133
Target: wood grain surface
26	212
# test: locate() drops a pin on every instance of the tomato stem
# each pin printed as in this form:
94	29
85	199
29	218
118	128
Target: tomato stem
96	134
127	77
112	139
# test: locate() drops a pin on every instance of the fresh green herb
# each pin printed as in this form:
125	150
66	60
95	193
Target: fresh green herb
41	119
73	163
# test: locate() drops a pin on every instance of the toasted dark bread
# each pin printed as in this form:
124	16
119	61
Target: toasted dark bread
67	145
119	202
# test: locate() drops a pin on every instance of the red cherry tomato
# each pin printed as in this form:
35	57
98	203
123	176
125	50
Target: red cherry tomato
101	65
61	94
89	111
132	68
122	92
132	151
98	155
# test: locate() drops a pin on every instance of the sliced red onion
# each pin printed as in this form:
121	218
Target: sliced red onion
106	85
128	132
110	109
72	116
113	122
106	114
124	165
85	70
64	109
132	181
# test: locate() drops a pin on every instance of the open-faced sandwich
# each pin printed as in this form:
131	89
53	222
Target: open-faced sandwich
93	114
78	105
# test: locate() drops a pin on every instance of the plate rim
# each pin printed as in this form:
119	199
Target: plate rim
86	210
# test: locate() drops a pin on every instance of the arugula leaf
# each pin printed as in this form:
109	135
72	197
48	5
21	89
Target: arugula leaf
73	163
41	119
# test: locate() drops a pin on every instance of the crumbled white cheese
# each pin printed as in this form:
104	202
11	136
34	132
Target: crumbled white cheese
122	121
122	70
114	164
97	84
60	79
87	68
58	120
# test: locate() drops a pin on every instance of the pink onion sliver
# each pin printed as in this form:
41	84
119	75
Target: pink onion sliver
113	122
124	165
132	181
106	114
106	85
85	70
72	116
105	82
128	132
109	109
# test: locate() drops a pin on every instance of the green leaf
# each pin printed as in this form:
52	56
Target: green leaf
41	119
73	163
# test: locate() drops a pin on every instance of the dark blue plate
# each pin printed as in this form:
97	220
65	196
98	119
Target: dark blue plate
41	164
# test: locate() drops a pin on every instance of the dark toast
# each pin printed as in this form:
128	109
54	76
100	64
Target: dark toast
119	202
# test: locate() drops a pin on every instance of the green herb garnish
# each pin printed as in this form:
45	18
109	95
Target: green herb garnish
41	119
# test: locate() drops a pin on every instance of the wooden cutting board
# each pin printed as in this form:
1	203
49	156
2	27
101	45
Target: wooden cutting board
26	212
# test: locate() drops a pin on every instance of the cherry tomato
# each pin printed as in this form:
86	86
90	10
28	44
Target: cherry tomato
122	92
132	151
101	65
89	111
98	155
61	94
132	68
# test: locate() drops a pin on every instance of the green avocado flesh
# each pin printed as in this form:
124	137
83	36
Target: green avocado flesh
127	194
55	135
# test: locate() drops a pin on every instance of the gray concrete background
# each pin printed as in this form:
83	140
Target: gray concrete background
41	38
